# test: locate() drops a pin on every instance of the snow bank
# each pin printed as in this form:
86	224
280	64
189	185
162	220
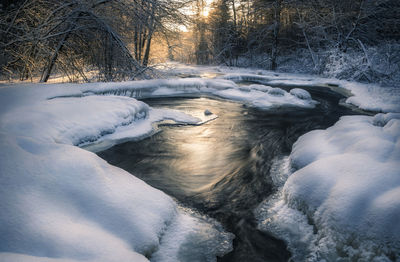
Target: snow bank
88	118
347	185
268	98
262	97
373	97
370	97
58	113
193	238
265	99
365	96
62	203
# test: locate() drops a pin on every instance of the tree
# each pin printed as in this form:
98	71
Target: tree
200	27
76	36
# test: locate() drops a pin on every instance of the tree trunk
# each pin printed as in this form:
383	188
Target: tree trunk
277	24
108	59
53	59
147	51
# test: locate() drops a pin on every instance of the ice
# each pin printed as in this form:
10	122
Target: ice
346	184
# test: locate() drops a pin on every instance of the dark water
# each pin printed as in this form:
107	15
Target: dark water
222	168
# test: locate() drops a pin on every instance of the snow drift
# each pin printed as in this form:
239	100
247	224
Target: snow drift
63	203
370	97
347	186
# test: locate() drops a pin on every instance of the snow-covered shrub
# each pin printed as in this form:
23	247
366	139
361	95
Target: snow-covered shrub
298	61
372	64
375	64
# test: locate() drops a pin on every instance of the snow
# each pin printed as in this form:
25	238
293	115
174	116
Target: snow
193	238
270	98
264	99
346	184
62	203
370	97
338	193
259	96
300	93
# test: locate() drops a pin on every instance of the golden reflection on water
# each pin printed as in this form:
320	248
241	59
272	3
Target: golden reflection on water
205	150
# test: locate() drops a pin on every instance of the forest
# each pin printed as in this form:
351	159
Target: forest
110	40
199	130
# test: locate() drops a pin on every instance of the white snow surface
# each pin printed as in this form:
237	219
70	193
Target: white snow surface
370	97
252	95
264	98
62	203
347	186
365	96
342	203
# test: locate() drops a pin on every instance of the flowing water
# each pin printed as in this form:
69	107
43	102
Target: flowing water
222	168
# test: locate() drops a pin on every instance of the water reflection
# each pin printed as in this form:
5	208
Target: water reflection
184	161
222	167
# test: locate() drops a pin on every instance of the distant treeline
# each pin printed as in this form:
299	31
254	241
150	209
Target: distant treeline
266	32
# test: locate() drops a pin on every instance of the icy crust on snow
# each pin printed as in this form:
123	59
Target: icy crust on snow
62	203
343	202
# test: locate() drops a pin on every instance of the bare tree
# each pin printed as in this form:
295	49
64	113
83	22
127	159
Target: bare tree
47	35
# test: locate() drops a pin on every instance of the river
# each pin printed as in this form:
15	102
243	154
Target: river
221	168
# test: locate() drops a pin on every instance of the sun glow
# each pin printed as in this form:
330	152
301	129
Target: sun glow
206	9
205	12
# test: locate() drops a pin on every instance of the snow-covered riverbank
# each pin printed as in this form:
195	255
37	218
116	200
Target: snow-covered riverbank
338	192
62	202
365	96
59	201
341	198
